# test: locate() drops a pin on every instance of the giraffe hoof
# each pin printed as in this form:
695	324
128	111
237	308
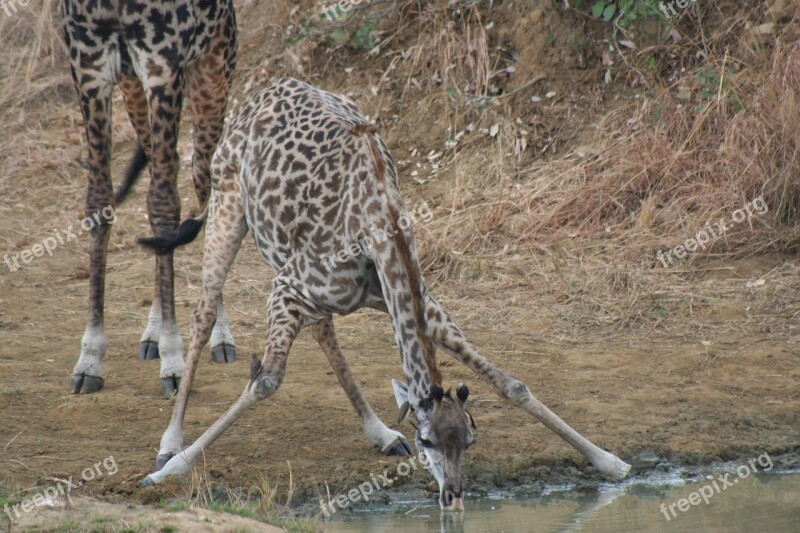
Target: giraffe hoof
162	459
170	385
148	350
401	448
223	353
85	384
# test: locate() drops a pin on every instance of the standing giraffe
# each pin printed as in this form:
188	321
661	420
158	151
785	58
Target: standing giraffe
303	170
154	51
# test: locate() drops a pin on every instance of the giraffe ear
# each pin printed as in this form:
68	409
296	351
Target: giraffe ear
401	397
403	413
400	392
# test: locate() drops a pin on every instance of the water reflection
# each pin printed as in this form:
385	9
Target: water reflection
763	504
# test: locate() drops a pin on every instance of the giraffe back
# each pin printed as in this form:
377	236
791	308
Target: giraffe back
310	191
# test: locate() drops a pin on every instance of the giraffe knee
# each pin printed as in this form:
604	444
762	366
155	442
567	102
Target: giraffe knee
517	392
265	384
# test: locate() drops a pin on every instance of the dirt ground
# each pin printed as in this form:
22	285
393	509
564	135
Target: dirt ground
87	514
706	370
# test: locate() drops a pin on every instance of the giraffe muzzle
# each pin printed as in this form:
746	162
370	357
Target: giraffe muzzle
452	500
455	503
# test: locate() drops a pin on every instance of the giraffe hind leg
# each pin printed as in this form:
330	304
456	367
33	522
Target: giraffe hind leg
94	90
225	231
135	99
223	347
208	82
388	441
136	104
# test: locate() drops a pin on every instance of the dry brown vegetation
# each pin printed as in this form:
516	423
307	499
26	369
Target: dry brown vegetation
646	173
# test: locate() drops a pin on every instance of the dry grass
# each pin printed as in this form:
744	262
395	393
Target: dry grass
653	174
585	224
584	229
450	54
264	501
32	56
36	93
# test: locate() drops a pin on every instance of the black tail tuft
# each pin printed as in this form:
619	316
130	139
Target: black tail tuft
135	168
187	232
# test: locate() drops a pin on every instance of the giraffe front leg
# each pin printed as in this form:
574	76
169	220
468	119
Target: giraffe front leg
181	464
225	230
286	318
448	335
388	441
199	330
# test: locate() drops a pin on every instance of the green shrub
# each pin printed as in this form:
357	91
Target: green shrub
628	11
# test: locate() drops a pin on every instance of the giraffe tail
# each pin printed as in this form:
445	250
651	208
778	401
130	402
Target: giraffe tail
187	232
135	168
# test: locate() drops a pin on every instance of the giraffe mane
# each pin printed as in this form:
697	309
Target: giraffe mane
411	267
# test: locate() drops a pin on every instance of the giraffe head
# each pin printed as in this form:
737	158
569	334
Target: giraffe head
442	437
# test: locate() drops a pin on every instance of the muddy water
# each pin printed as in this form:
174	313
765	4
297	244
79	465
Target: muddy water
761	503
